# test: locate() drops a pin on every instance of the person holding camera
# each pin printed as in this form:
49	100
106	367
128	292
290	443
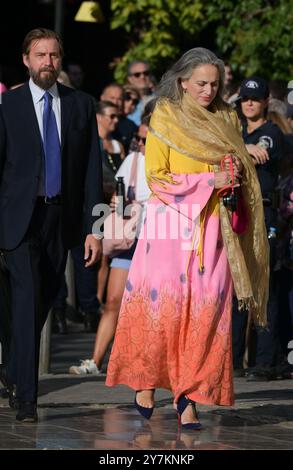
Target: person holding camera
174	326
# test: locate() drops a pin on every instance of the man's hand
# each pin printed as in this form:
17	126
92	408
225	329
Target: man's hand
92	250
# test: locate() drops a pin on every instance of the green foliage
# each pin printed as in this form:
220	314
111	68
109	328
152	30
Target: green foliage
256	35
154	30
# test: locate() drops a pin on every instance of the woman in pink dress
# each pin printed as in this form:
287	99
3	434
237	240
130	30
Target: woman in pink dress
174	328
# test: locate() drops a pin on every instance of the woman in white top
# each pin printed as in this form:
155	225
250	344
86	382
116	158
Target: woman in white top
119	266
107	115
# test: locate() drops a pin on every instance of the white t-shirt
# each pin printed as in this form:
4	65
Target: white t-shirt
142	191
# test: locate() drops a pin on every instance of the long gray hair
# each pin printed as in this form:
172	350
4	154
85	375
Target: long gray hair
170	85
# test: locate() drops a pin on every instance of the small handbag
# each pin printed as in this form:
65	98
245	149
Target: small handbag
239	220
109	181
240	216
120	231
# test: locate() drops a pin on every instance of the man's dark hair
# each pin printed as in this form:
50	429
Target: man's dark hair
40	33
134	62
100	106
112	85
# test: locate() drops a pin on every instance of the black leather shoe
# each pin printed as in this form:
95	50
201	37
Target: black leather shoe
284	371
261	374
12	400
91	321
9	393
9	390
59	321
3	376
240	372
27	412
4	393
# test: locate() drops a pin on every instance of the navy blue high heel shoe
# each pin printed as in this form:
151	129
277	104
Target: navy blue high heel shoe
181	407
145	412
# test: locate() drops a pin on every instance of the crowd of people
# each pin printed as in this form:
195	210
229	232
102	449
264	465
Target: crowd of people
182	319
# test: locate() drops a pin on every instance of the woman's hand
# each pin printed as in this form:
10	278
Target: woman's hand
237	164
259	154
114	202
224	178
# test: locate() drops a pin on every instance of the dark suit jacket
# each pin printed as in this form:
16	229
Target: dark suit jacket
21	156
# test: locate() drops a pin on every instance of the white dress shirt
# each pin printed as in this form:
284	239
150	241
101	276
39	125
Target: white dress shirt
37	94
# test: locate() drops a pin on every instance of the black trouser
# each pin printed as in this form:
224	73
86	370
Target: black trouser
35	269
85	284
265	340
286	308
239	324
5	314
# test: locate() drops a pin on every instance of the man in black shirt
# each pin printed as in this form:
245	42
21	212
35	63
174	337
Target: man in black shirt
265	143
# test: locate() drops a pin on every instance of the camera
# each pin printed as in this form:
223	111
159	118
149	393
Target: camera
231	200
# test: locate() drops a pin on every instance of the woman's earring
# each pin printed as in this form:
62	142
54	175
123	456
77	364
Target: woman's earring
184	90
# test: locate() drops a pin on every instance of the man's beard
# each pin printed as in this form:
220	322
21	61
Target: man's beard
46	81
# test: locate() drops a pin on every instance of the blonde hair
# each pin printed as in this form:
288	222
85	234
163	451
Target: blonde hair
64	79
280	120
130	89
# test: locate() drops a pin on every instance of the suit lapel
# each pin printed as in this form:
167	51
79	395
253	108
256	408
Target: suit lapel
66	105
29	114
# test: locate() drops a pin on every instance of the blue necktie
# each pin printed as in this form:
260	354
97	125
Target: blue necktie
52	149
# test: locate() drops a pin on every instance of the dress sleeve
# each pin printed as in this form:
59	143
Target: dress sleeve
175	189
157	160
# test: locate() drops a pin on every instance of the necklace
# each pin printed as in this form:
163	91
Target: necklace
111	161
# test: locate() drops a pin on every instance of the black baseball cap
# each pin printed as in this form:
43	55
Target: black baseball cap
254	87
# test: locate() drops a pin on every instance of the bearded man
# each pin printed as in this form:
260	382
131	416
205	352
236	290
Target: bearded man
50	180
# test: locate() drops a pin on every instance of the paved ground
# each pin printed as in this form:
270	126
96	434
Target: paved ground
81	413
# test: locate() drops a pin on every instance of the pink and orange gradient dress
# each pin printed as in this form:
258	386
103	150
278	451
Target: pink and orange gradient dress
174	327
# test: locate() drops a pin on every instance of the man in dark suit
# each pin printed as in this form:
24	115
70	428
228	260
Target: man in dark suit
50	180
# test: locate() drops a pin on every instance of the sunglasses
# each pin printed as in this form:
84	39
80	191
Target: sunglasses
112	116
128	97
145	73
138	138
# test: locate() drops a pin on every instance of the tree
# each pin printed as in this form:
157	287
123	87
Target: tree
155	29
256	35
